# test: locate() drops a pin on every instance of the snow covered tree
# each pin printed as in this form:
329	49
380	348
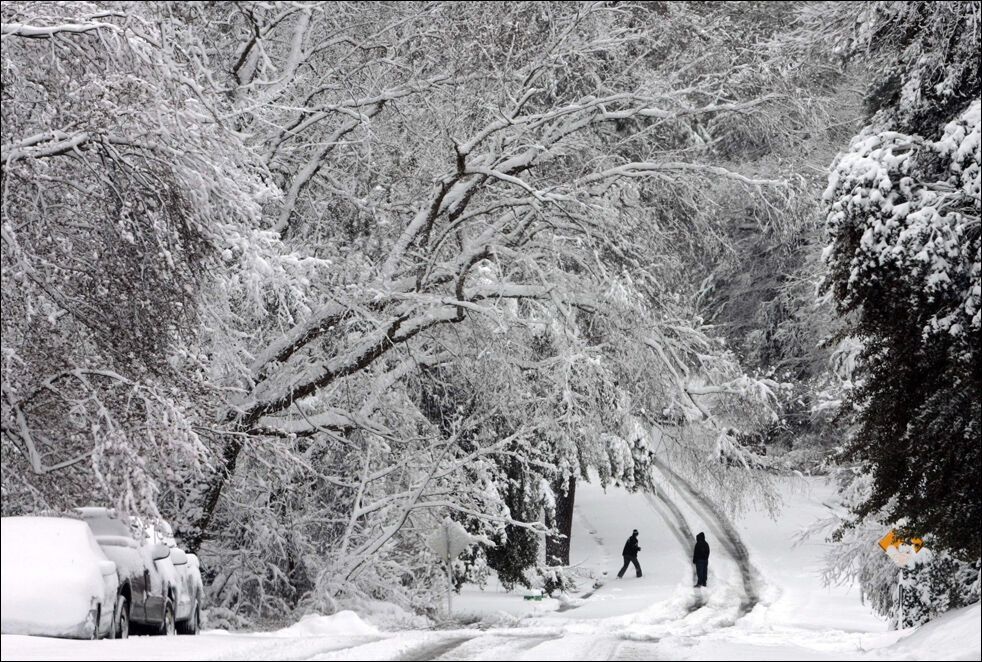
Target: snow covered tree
904	261
115	197
421	259
471	173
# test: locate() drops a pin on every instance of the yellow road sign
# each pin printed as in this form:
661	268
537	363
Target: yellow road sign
891	540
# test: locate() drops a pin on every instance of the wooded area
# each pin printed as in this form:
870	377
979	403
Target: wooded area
306	278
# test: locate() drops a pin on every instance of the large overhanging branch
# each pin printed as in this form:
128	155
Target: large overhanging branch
328	317
654	168
270	399
527	142
58	143
49	31
337	420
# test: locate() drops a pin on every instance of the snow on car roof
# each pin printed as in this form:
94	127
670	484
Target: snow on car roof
34	538
106	522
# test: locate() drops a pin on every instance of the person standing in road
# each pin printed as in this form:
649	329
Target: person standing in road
700	556
630	554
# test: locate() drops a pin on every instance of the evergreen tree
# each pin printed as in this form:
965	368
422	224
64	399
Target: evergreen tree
904	267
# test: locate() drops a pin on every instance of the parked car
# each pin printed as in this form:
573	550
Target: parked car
190	588
191	591
55	580
148	580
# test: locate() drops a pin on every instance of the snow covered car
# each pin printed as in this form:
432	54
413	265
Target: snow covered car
148	580
187	576
191	591
55	580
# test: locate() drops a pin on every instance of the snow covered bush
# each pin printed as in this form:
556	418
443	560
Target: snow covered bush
933	586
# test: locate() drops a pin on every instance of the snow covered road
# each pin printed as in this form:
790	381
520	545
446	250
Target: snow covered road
765	601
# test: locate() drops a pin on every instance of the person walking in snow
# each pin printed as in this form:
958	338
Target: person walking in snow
700	556
630	554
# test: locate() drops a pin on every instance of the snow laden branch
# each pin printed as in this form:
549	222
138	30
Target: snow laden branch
50	31
548	134
653	169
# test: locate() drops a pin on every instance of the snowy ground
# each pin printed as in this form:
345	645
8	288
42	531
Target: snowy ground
765	601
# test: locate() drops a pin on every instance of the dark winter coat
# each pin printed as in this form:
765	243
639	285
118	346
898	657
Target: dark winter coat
631	547
701	552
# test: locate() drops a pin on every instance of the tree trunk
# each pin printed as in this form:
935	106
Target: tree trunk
557	547
199	528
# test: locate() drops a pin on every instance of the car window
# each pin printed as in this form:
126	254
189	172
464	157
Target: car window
108	527
155	532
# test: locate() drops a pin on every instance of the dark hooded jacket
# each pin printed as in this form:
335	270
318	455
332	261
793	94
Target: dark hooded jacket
631	546
701	552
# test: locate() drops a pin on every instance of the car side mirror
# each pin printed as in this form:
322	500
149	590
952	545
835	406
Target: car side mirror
159	552
178	556
107	568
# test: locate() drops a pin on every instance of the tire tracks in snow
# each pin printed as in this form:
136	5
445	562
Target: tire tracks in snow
422	645
721	527
669	512
434	650
288	648
503	646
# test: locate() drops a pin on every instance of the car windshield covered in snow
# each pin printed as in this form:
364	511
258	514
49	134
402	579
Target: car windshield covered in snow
107	527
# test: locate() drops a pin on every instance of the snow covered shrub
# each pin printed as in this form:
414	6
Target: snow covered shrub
472	568
515	552
932	582
934	585
557	579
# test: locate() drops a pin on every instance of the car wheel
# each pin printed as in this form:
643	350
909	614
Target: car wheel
95	626
193	624
122	625
169	626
